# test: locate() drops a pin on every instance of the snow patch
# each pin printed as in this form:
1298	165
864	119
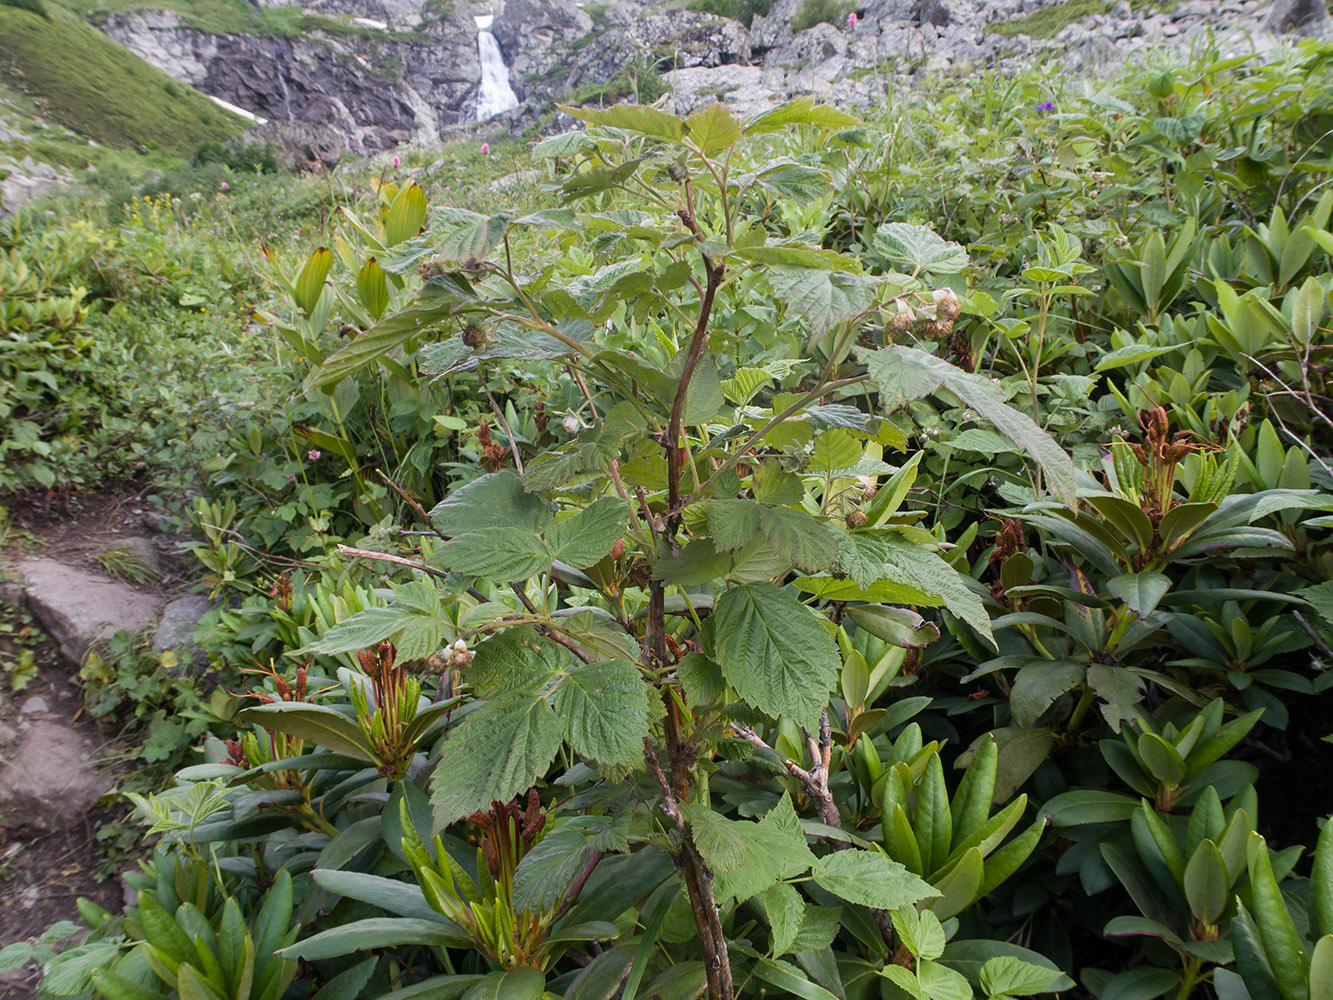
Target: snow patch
237	111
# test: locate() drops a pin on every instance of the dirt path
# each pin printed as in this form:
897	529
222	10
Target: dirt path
44	871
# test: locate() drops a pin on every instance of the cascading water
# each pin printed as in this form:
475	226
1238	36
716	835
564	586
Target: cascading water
494	95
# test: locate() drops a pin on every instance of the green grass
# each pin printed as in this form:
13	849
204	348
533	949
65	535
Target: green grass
1048	22
80	78
238	17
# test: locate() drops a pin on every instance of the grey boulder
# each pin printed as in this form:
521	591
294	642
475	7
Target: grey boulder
78	608
1304	17
176	629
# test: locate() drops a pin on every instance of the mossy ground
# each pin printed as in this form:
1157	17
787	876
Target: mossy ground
1049	21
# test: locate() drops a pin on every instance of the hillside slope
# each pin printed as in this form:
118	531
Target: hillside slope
87	82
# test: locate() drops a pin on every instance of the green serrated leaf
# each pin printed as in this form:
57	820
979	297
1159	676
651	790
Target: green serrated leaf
870	879
499	751
905	373
589	535
919	249
775	652
798	538
606	710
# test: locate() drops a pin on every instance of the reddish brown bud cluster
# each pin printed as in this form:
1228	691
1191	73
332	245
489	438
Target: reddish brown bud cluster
281	591
492	455
286	691
509	833
236	754
386	677
1009	541
1161	454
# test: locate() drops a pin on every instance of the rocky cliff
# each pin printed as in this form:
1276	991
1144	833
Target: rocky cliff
376	84
399	70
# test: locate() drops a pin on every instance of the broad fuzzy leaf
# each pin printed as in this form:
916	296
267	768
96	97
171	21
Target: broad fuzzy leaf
500	750
546	871
918	248
823	298
589	535
640	119
713	128
917	566
517	659
462	235
870	879
801	111
775	652
365	628
501	554
606	710
786	913
497	500
798	538
370	345
775	849
733	523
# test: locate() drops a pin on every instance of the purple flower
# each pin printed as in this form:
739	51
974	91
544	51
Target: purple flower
226	186
851	20
1045	106
313	454
485	149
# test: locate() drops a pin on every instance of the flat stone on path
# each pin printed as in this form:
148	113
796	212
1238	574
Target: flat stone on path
77	607
47	780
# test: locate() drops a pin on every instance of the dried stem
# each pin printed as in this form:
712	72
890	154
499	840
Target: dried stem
504	425
815	782
347	550
555	635
417	509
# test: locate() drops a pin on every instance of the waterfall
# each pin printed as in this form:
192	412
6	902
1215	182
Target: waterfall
286	95
494	95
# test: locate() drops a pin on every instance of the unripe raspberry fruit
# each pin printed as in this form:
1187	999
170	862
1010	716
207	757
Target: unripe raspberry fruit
946	306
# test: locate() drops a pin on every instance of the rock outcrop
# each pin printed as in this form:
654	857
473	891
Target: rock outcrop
376	88
176	630
1305	17
537	38
409	69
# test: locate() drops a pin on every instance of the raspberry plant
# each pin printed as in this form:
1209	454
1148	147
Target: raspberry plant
679	575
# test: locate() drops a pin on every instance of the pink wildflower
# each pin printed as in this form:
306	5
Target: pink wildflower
485	149
851	20
226	186
397	161
313	454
